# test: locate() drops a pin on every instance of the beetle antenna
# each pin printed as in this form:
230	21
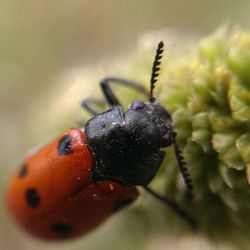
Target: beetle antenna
155	69
182	164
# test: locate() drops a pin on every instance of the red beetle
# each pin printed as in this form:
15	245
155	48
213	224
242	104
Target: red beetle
85	175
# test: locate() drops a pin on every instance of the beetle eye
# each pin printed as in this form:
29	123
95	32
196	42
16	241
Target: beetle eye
137	105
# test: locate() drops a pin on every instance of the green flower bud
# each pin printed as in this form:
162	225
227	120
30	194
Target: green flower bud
212	123
207	93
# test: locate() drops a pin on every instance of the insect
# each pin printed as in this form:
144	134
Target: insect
72	185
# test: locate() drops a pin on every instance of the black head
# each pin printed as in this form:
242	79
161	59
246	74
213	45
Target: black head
148	120
150	124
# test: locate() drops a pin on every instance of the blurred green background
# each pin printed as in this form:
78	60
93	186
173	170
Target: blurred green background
42	44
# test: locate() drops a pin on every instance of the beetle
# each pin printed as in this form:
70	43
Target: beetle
72	185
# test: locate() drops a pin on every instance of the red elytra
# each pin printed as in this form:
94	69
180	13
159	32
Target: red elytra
63	202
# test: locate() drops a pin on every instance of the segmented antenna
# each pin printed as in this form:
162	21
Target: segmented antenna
155	69
181	163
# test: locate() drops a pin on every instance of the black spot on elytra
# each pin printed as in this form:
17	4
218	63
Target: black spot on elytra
62	229
64	145
121	203
32	197
23	170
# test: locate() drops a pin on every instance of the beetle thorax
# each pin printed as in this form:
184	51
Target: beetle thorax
127	145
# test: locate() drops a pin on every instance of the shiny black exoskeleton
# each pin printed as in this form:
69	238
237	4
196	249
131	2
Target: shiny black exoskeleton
127	146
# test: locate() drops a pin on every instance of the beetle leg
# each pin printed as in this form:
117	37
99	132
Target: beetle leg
109	94
172	204
92	106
